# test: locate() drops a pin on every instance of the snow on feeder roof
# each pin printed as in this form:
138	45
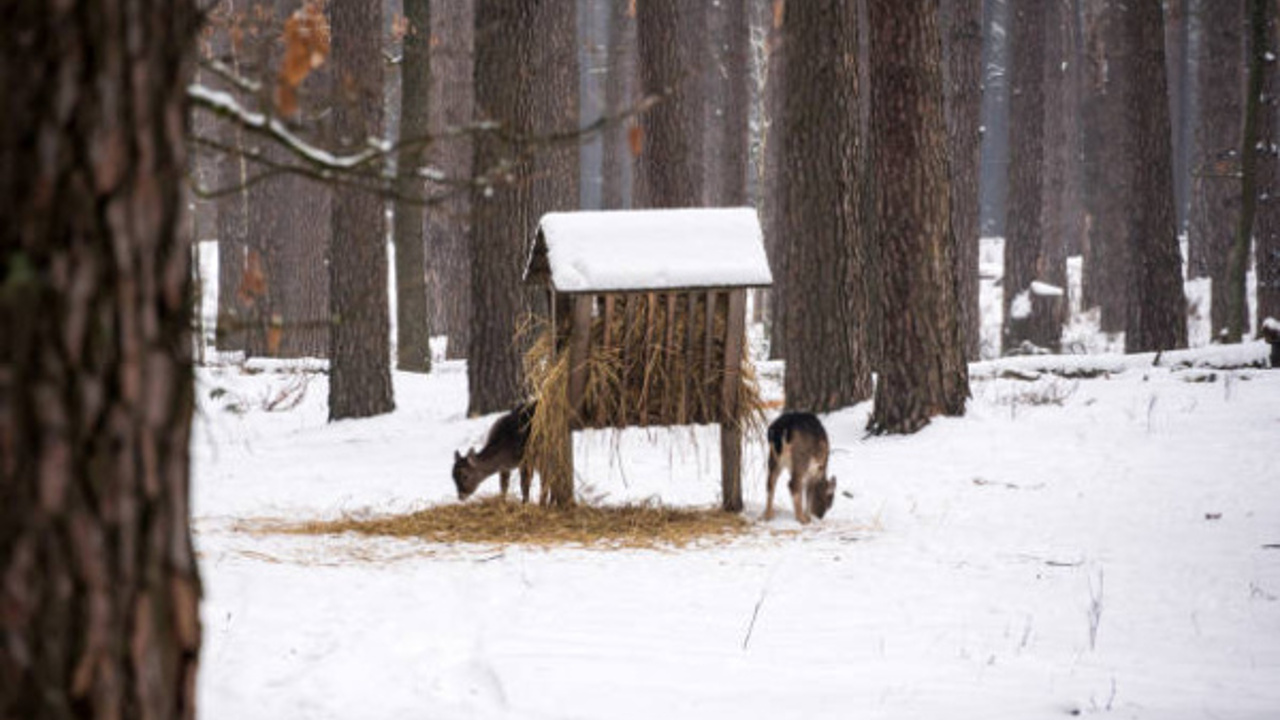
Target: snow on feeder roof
617	250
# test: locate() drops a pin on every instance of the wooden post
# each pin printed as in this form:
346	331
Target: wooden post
730	430
579	344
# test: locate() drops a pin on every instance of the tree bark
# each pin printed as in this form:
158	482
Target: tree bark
923	372
1215	206
728	83
1237	262
360	351
449	223
1177	41
100	590
501	217
827	364
413	310
620	82
994	182
1060	215
672	49
1157	318
1029	316
233	209
1266	229
1106	87
775	54
962	43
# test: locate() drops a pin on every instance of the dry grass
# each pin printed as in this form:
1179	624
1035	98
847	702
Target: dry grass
496	522
655	370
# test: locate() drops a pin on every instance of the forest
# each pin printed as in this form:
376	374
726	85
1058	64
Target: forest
268	266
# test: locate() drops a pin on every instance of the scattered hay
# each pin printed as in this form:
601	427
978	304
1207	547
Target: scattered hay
494	521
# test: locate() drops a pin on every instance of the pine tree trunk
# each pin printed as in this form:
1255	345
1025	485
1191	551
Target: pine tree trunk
727	79
360	342
923	372
1029	316
1237	262
233	209
1215	206
1059	208
1106	86
1157	318
620	82
449	221
995	118
827	365
554	103
501	217
1177	41
413	311
671	39
773	184
101	591
1266	228
294	212
962	43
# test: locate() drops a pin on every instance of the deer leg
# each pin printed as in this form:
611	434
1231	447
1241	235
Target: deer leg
526	479
775	469
796	486
504	478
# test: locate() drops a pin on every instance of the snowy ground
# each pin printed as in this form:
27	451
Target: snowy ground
1101	546
1088	546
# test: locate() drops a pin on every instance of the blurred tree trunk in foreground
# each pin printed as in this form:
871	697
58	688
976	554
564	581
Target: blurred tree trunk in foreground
101	592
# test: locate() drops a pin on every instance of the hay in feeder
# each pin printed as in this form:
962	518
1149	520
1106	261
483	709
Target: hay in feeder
493	521
651	359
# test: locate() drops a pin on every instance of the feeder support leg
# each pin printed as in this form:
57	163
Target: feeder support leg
730	468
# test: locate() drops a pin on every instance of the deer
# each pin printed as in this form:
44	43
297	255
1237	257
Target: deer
503	451
798	443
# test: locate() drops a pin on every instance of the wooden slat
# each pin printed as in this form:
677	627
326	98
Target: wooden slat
579	345
686	412
734	331
609	300
651	307
630	309
708	341
668	358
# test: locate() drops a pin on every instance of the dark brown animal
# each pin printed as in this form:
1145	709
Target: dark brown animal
503	452
798	443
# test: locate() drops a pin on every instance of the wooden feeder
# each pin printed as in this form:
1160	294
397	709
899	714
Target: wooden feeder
648	308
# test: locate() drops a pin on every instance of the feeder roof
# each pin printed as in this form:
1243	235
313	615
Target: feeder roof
618	250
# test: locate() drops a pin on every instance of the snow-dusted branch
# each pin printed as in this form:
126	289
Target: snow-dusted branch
227	73
226	104
365	169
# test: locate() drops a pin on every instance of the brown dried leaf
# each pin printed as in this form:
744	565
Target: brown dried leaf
306	46
253	282
635	138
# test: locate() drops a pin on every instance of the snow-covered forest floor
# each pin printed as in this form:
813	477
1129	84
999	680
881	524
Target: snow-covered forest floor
1105	545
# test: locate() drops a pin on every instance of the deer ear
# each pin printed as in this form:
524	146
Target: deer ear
457	456
471	456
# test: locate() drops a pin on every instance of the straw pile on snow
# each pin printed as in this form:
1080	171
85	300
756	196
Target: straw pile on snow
494	521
